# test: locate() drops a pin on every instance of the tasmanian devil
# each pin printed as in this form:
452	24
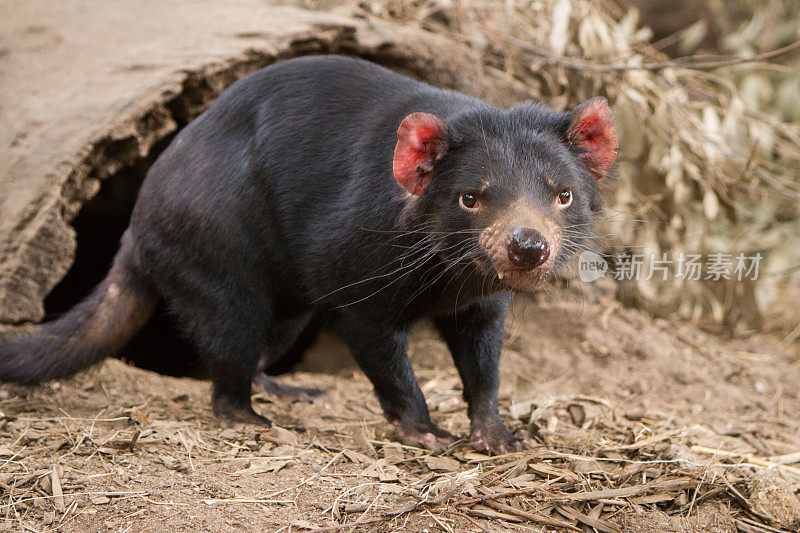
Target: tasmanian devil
331	187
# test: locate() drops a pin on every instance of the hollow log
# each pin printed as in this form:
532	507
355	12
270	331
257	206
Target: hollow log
90	88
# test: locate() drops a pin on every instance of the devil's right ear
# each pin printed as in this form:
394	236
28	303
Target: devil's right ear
421	139
591	130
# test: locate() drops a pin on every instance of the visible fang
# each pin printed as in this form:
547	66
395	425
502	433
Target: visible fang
500	274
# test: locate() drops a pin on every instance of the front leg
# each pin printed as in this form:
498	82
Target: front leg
380	350
475	337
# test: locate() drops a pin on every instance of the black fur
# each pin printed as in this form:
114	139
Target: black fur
278	205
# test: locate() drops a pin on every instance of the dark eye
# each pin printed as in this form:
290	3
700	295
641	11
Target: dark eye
468	201
565	197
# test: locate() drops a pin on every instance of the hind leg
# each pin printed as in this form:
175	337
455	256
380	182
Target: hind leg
228	327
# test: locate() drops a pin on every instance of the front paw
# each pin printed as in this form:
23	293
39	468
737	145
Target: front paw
233	414
494	436
425	435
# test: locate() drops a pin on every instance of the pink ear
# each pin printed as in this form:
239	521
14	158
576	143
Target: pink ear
421	140
592	130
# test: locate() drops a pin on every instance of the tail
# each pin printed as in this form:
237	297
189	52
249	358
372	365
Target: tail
96	328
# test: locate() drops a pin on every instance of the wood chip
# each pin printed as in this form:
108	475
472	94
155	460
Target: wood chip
134	438
108	450
357	457
744	525
284	436
600	525
523	480
476	457
383	472
229	434
304	524
596	511
139	415
786	459
441	464
531	517
172	463
577	413
55	483
361	440
6	451
393	453
547	469
262	465
635	490
653	498
484	512
646	442
747	457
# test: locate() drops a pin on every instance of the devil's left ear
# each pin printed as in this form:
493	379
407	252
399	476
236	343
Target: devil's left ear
591	130
421	139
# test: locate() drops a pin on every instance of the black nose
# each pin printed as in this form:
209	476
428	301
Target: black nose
527	248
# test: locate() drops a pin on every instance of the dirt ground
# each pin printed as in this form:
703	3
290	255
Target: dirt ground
673	427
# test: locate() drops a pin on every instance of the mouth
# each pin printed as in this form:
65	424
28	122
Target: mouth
515	279
522	280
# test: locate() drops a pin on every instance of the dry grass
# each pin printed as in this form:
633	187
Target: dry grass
600	471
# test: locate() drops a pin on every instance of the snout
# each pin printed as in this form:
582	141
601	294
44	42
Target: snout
527	248
521	246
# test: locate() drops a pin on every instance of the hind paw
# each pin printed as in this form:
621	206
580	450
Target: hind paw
262	383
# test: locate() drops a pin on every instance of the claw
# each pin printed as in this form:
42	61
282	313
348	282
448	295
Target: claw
495	437
425	435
